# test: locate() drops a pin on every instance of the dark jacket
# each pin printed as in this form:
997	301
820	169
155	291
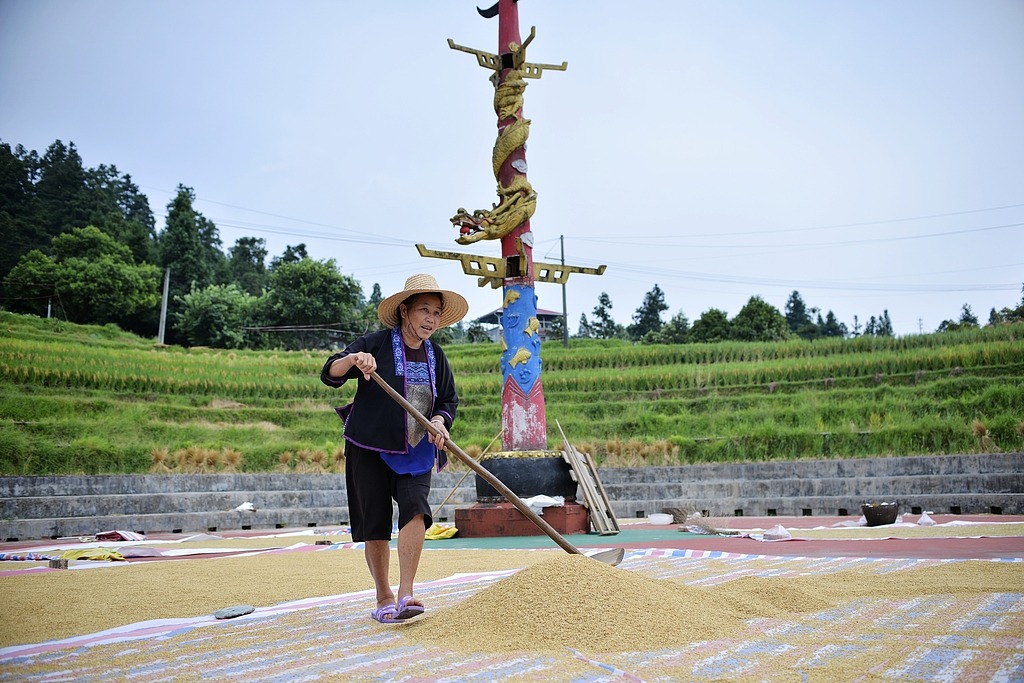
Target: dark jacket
374	420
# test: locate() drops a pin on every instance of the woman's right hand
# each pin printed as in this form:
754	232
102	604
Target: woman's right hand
365	363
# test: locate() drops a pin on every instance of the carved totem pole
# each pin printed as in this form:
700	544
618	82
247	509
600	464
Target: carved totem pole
523	420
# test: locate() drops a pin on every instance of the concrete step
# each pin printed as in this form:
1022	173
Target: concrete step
872	487
30	507
115	484
82	505
206	520
923	465
189	522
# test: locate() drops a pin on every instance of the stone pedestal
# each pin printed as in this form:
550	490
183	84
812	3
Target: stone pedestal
485	520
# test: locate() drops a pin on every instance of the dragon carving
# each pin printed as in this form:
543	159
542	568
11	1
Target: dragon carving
517	201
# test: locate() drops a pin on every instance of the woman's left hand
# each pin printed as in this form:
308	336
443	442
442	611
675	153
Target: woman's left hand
441	436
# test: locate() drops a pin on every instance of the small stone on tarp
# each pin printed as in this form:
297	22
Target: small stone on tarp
232	612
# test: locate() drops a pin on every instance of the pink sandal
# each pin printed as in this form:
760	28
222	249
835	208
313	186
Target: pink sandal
407	611
388	614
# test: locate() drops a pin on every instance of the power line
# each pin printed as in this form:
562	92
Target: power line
850	225
807	284
374	238
831	243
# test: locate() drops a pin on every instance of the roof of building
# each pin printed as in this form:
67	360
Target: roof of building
494	317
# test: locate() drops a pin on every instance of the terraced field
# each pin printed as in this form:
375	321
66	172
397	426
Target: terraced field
95	400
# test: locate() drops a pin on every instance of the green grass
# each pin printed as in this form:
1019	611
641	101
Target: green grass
88	399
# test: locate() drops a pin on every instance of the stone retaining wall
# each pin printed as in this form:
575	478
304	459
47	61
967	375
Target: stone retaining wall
957	484
52	507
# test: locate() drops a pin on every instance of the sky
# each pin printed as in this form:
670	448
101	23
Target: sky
868	154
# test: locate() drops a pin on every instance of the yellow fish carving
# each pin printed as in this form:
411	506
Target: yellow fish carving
510	298
532	327
522	356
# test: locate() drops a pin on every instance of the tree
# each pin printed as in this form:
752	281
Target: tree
967	321
216	261
647	318
798	317
758	321
376	296
182	248
476	334
584	330
369	320
446	336
1008	315
967	317
675	331
832	327
796	312
31	285
556	332
135	207
90	278
246	265
64	200
603	325
215	316
291	255
42	198
123	212
311	294
877	327
19	207
711	326
884	328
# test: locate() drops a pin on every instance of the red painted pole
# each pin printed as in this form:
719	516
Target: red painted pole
523	419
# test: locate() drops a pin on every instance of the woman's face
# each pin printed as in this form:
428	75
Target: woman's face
421	317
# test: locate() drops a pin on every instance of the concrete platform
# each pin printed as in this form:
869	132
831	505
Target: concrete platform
937	637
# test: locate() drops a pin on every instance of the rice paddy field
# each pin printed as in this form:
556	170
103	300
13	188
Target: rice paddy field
94	400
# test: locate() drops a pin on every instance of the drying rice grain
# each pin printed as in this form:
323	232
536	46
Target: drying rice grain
575	602
610	608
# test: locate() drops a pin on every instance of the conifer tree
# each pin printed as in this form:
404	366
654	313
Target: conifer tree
647	319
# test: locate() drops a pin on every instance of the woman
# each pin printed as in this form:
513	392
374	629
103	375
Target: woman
388	455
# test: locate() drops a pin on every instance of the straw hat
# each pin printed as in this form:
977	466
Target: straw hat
454	308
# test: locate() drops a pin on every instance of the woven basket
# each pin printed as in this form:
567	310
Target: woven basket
880	514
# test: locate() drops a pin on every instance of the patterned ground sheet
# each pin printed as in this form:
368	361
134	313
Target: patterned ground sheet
913	639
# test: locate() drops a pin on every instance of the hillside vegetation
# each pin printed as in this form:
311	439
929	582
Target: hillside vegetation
87	399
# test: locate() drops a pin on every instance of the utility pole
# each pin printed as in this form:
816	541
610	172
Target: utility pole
163	306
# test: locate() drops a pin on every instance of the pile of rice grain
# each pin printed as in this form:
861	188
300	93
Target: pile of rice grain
577	602
574	601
